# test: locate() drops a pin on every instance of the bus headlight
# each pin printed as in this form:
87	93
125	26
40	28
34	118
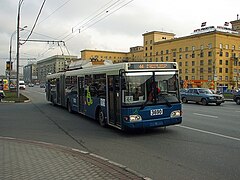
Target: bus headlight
133	118
175	114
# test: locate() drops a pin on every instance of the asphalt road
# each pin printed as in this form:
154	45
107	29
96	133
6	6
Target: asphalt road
205	146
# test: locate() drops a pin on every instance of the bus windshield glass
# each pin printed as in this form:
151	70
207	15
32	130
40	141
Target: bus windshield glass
150	88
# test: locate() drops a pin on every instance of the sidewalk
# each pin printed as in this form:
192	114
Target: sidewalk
22	159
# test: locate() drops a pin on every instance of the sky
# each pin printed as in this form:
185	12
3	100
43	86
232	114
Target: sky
112	25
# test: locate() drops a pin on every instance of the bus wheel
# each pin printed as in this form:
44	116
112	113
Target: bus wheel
69	107
101	118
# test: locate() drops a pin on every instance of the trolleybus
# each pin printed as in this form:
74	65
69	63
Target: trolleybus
123	95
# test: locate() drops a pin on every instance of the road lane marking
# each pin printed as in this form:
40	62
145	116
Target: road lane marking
208	132
205	115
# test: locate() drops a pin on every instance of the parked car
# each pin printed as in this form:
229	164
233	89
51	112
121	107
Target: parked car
236	97
30	85
202	95
42	85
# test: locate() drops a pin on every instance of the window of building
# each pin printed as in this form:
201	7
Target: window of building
161	52
226	46
193	63
210	62
174	54
186	77
180	63
193	70
167	51
186	71
193	55
201	77
226	70
226	62
146	42
180	71
150	47
180	56
186	49
193	48
209	70
220	62
150	53
174	60
201	54
150	41
146	48
233	47
161	58
209	53
220	78
220	45
221	53
186	63
186	56
193	77
180	49
156	59
201	47
226	78
156	53
201	70
220	70
201	62
166	58
146	54
227	54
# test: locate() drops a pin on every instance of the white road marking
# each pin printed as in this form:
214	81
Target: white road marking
205	115
208	132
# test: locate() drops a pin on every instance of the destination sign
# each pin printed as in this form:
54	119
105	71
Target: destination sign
152	66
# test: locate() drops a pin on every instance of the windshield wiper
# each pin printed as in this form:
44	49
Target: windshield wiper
165	99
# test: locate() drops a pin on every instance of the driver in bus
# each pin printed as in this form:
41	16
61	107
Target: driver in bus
154	87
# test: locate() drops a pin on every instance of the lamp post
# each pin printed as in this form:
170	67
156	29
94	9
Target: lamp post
10	52
18	44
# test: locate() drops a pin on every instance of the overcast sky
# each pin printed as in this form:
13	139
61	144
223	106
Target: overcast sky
113	25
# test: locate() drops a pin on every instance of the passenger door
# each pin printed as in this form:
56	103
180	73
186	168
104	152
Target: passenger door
81	95
114	102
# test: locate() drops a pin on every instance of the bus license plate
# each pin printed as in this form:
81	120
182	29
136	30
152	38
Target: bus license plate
155	112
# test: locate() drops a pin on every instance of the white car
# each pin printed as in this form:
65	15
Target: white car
22	85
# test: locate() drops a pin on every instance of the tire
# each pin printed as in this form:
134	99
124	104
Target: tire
218	104
101	118
69	107
238	101
204	102
184	100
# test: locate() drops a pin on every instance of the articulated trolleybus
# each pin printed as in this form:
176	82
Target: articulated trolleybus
124	95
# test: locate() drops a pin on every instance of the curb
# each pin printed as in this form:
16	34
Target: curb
92	156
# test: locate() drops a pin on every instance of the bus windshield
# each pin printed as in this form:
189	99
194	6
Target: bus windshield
150	88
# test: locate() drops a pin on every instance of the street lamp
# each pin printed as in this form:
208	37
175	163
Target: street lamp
10	53
18	44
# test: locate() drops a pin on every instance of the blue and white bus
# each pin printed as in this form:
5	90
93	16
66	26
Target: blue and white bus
124	95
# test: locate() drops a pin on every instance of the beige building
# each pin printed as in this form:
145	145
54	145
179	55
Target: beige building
52	65
209	57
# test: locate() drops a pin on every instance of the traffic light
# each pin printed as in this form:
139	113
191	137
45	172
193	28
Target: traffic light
8	66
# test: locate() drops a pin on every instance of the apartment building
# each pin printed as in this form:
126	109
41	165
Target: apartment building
53	64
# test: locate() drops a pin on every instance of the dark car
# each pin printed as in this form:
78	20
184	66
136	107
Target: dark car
236	97
202	95
42	85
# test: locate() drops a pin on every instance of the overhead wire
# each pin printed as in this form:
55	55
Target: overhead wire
100	19
35	22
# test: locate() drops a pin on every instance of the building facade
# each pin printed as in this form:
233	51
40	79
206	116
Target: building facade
30	73
52	65
209	57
